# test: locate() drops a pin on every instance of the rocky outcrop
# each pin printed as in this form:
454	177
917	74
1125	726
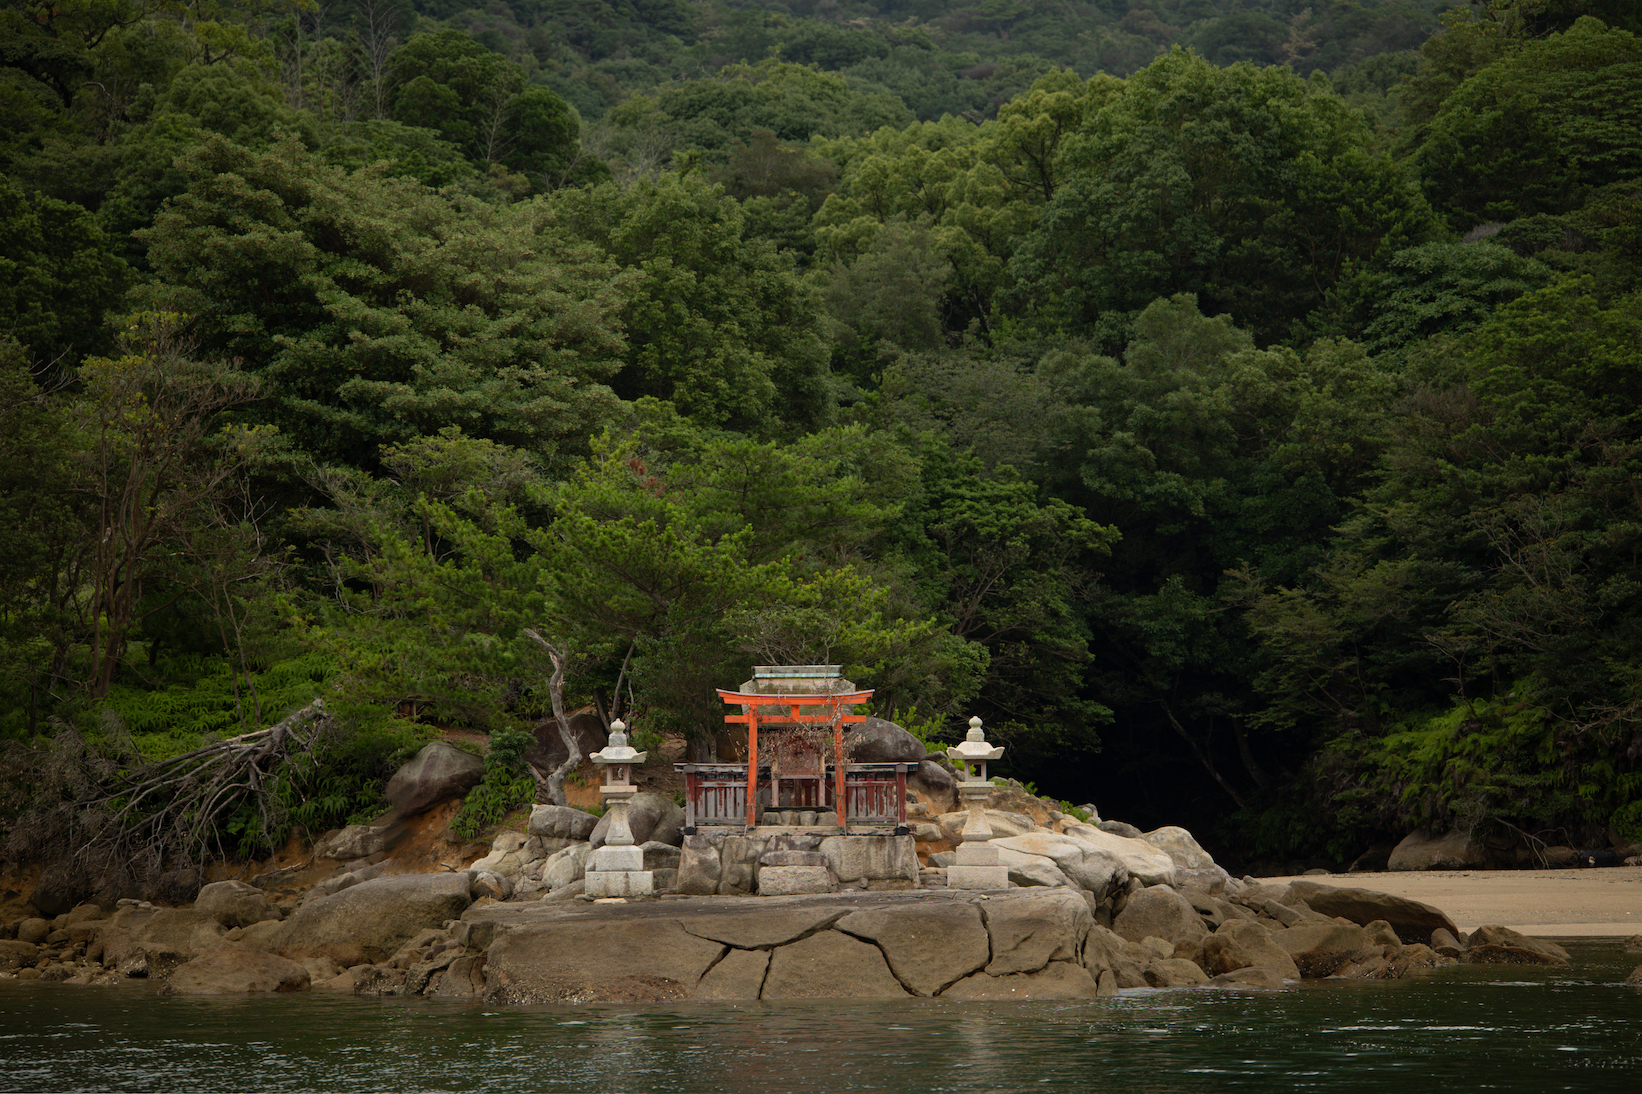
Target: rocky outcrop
439	772
830	965
356	841
1241	944
1159	911
235	904
587	730
1320	949
152	942
1503	946
1412	920
946	945
1144	861
561	822
368	922
1450	851
929	947
232	968
876	741
1084	864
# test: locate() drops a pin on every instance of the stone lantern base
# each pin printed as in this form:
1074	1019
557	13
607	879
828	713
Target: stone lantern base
618	871
977	867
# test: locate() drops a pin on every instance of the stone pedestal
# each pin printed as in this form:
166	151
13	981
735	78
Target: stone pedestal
977	868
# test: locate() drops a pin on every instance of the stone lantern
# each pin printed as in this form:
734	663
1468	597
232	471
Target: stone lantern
617	868
977	863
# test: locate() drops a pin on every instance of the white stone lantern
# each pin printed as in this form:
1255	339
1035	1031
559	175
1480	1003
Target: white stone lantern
977	864
617	868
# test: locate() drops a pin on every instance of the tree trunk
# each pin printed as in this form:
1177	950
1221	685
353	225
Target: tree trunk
560	656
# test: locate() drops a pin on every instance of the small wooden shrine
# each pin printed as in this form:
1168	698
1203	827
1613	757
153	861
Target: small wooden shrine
796	763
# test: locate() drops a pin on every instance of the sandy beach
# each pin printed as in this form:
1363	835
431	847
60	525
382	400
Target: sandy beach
1597	903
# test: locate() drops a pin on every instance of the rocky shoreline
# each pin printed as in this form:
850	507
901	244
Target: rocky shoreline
442	935
1092	908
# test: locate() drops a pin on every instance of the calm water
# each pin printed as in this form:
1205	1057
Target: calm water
1464	1029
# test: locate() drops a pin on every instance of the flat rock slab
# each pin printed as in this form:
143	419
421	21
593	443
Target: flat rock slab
830	965
896	945
1057	980
592	959
757	929
739	975
928	947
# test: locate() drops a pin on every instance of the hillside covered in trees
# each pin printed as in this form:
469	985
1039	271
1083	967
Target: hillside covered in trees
1237	404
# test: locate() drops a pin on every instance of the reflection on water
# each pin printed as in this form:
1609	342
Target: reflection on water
1466	1029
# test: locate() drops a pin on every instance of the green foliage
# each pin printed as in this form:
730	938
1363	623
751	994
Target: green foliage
58	274
199	699
717	324
507	784
1252	188
1539	127
380	309
1627	822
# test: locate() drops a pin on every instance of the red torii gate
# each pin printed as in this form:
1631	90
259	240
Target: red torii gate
792	704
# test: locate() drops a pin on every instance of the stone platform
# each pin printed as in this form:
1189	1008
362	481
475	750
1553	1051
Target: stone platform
1010	944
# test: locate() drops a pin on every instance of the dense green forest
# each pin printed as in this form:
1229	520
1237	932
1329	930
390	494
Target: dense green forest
1237	403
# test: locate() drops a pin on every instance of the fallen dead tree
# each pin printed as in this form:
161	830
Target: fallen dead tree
111	823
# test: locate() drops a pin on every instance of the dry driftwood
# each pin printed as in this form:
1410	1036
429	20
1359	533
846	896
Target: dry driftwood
175	807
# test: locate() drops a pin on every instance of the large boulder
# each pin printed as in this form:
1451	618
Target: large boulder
1159	911
366	923
1033	928
1492	945
1151	865
231	968
1319	949
1003	824
1174	972
163	940
876	741
1450	851
15	954
1179	845
928	948
938	786
548	752
1089	867
1412	920
439	772
562	822
651	816
1031	870
235	904
1107	953
1241	944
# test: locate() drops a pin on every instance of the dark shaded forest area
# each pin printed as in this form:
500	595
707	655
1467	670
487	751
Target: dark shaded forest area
1237	404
